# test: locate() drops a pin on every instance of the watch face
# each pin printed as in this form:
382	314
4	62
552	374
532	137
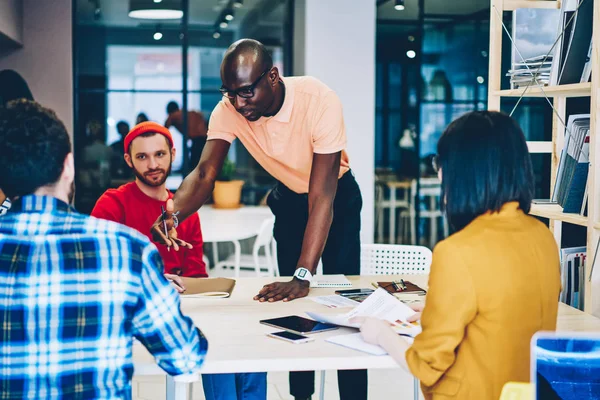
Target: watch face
302	273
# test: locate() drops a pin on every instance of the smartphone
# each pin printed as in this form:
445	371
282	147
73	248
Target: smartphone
354	292
290	337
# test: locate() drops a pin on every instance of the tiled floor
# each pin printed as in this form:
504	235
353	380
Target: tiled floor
383	384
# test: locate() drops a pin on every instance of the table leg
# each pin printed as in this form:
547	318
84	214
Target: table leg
177	390
215	253
392	215
238	256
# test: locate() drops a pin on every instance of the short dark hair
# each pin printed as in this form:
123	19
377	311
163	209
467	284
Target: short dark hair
485	163
172	107
33	146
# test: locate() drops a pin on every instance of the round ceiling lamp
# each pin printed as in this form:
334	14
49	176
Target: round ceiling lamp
149	9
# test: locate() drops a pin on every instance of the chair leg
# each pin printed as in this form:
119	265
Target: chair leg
322	390
238	256
256	261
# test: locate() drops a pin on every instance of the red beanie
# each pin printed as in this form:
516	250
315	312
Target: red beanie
144	127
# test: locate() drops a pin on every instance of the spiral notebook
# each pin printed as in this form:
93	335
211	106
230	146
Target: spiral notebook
330	281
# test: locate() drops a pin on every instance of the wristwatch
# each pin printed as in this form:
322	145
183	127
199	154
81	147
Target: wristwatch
303	274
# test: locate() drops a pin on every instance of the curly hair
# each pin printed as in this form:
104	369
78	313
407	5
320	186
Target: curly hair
33	147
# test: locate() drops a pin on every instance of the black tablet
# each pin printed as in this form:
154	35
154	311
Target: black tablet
296	324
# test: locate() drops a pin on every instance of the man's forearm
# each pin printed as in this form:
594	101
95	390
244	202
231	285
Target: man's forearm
320	217
194	191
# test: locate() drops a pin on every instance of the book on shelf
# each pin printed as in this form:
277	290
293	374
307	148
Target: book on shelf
572	274
573	43
571	177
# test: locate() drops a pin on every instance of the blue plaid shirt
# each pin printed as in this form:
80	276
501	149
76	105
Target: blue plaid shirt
74	291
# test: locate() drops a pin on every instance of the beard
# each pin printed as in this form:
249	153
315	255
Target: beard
152	182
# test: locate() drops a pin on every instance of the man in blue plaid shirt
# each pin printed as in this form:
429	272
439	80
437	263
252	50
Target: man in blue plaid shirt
75	290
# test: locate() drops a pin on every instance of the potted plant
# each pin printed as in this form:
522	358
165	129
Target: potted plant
227	192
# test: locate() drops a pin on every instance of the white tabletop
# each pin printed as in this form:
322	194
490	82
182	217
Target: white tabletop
238	342
226	225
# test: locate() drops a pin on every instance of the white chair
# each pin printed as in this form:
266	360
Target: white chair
392	259
393	203
264	240
430	192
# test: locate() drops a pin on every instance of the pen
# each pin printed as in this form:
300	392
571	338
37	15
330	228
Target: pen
403	284
163	211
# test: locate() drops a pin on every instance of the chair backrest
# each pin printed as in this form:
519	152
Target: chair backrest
392	259
265	233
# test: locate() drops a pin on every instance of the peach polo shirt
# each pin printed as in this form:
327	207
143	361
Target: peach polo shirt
310	121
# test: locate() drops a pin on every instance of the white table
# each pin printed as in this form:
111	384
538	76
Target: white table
238	342
231	225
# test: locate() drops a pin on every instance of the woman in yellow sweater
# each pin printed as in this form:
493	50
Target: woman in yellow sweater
495	281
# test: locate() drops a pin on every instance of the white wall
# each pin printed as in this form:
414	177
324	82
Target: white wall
334	40
11	19
45	60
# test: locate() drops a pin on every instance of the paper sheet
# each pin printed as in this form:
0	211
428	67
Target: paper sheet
356	342
380	305
335	301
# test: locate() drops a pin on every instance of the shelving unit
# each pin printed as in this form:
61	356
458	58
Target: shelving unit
558	94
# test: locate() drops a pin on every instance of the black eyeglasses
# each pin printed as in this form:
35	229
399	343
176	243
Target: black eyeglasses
246	92
435	163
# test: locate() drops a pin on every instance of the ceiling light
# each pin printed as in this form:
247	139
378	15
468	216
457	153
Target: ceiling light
480	79
163	9
399	5
238	3
216	34
229	15
223	24
411	54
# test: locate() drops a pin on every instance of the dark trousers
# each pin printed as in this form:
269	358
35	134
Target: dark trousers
341	256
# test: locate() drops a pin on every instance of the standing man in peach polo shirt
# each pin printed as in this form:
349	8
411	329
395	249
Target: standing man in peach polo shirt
294	128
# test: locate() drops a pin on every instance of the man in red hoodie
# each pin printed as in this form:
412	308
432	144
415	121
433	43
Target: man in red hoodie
149	152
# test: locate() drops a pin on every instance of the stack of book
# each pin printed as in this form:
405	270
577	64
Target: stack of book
534	71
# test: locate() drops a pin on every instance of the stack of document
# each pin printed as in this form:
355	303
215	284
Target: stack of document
533	71
380	305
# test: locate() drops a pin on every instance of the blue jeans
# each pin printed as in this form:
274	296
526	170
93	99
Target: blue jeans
246	386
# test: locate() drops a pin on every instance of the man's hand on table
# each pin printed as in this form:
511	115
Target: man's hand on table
285	291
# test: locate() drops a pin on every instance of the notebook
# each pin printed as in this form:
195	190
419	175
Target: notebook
411	288
207	287
330	281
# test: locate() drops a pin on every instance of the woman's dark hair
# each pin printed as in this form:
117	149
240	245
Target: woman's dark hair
13	87
485	163
34	145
